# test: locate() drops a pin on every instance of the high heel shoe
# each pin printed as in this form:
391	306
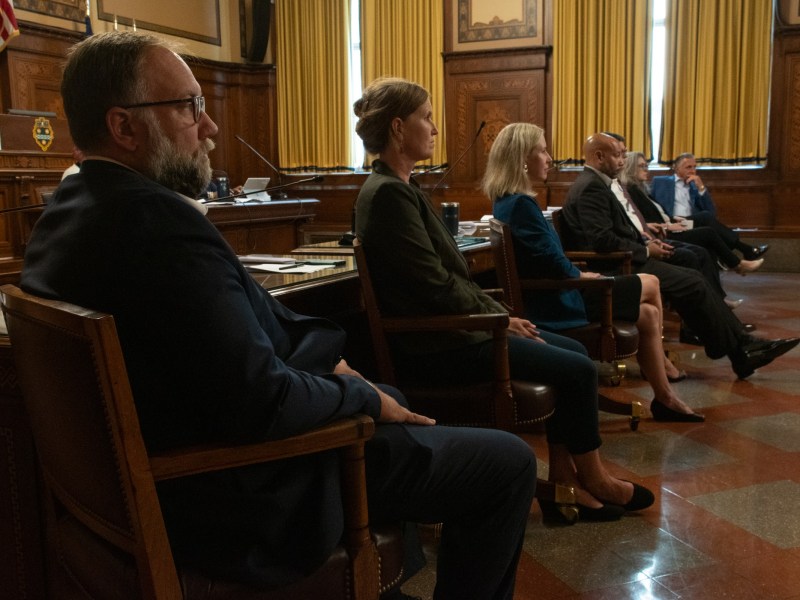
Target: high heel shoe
552	513
748	266
662	412
681	376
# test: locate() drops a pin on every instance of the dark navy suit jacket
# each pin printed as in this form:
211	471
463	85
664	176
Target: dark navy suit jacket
211	357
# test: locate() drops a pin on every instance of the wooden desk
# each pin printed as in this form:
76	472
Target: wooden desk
263	227
478	256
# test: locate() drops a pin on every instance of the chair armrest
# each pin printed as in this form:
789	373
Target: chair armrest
620	255
625	257
471	322
495	293
201	459
604	284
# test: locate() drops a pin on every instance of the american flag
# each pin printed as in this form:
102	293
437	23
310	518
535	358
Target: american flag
8	23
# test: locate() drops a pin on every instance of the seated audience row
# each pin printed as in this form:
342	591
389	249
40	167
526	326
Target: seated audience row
213	357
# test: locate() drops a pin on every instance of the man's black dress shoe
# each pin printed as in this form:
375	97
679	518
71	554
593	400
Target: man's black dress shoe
662	412
756	252
687	336
757	353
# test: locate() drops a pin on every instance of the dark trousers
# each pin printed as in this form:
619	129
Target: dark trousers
703	309
698	258
479	483
726	234
709	239
561	362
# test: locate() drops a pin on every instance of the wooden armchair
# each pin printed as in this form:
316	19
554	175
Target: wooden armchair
623	257
517	406
500	403
105	531
606	340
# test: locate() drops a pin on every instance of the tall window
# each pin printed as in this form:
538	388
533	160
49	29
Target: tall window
717	81
672	76
659	51
357	154
355	41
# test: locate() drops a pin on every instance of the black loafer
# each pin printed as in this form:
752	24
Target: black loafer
642	498
759	353
665	414
756	252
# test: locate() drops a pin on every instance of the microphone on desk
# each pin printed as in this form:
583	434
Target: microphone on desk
240	195
431	169
461	156
315	179
281	196
557	163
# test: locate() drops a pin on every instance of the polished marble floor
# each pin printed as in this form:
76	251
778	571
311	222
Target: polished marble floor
726	523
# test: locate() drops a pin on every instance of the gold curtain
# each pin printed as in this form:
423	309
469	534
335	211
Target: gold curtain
601	73
716	93
406	39
312	41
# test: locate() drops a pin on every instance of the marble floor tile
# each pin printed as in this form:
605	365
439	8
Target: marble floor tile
726	522
768	510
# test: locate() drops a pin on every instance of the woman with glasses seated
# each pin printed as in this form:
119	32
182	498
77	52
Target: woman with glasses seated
518	159
418	270
634	177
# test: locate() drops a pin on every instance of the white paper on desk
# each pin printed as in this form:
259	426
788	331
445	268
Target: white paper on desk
266	258
272	268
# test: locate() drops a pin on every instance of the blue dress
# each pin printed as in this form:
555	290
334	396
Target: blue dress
540	256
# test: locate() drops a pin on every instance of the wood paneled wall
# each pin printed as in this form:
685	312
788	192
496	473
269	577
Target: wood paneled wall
498	87
239	97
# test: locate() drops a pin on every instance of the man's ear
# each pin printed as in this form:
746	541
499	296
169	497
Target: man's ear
123	131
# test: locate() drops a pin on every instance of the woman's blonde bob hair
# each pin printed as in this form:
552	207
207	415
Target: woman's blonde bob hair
505	168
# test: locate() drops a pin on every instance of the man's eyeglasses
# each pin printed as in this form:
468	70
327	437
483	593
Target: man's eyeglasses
198	105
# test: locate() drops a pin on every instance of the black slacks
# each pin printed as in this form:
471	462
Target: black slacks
703	309
479	483
709	239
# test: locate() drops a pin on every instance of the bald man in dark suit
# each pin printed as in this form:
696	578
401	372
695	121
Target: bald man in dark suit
595	220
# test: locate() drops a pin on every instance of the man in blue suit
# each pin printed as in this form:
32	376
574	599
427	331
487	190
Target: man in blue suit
684	197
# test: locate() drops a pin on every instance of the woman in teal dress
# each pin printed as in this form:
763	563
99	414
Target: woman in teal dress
519	158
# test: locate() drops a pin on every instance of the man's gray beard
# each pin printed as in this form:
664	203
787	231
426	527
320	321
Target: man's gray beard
188	174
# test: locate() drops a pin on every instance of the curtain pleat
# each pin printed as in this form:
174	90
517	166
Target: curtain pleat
312	48
716	93
405	38
601	73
